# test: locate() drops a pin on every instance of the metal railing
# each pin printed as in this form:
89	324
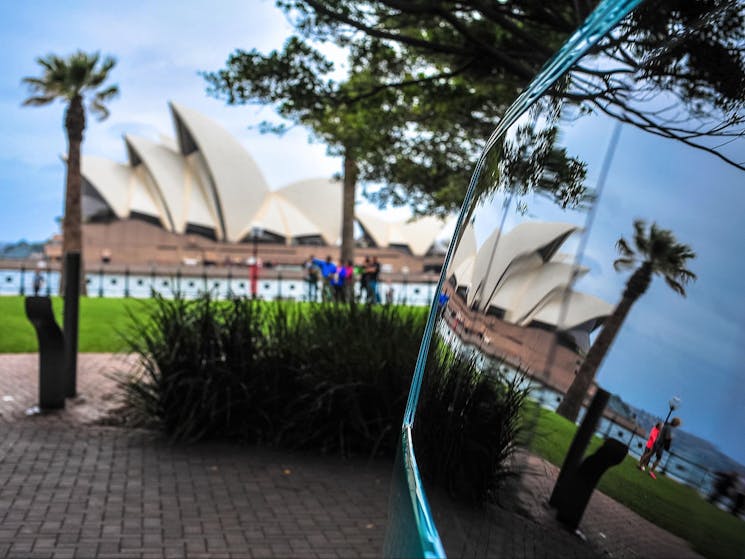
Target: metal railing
222	282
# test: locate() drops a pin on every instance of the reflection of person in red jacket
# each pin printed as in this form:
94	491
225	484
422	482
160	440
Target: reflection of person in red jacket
647	454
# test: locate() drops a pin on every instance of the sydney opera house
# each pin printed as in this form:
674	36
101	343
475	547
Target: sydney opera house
511	297
201	199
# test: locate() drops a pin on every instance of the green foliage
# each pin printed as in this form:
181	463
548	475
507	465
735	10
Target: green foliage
467	426
664	502
445	72
328	377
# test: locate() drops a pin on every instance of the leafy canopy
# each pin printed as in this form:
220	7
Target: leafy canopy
441	74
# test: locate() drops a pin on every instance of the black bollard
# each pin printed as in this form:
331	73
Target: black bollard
51	353
579	488
579	445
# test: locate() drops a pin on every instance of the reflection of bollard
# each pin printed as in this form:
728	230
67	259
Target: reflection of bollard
580	486
578	446
51	353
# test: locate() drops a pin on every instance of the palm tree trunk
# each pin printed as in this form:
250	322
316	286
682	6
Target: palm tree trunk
71	228
72	241
572	401
347	223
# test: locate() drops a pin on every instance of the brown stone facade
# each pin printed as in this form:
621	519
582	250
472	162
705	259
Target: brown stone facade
134	243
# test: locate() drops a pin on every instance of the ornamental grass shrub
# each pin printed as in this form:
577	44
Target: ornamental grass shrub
467	426
322	376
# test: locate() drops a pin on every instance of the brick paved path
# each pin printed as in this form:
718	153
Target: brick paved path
72	489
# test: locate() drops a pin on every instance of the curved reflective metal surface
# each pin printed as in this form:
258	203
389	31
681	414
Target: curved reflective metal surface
582	228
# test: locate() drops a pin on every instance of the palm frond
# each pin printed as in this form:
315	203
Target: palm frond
623	264
34	84
675	286
624	249
99	110
107	94
640	235
103	72
39	101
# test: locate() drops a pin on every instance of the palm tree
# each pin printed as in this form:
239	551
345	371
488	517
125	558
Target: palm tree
70	80
657	252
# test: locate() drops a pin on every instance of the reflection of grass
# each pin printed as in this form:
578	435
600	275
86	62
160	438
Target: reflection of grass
668	504
101	321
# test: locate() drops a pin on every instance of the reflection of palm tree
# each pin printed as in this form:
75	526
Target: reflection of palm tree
657	252
69	80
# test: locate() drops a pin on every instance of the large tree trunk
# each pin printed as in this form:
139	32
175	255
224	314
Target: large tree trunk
72	241
572	402
347	219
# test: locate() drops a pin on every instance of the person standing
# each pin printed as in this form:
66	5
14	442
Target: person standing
328	273
373	273
647	454
364	274
724	482
663	443
38	282
311	277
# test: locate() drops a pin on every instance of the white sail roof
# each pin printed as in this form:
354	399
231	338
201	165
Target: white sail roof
237	185
321	203
207	179
569	310
168	172
521	274
500	251
418	234
112	181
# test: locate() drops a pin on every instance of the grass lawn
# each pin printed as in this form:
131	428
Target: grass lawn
101	322
668	504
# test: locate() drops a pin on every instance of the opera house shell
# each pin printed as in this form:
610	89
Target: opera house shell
205	183
512	297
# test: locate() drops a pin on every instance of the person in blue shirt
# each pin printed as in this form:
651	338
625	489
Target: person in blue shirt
328	276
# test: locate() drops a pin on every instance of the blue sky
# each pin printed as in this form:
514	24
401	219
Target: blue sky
160	47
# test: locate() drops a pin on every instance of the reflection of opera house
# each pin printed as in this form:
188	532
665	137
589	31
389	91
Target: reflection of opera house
512	299
201	199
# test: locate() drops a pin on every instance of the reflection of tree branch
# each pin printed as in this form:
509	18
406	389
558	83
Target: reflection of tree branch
588	91
648	125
